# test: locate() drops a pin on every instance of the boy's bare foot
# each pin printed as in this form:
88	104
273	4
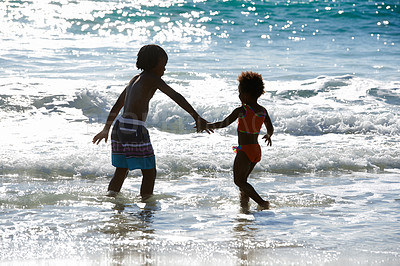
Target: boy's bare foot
111	193
264	205
146	197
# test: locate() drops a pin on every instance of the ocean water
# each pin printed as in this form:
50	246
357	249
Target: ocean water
332	77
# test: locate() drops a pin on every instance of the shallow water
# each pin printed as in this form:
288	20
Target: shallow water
331	73
196	218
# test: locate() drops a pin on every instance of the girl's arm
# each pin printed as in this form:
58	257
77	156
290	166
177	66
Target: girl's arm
227	121
110	119
270	129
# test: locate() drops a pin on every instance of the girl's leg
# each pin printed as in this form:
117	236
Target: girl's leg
244	199
149	177
242	167
118	179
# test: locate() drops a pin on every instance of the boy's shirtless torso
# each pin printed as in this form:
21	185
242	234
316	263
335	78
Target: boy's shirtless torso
142	88
138	95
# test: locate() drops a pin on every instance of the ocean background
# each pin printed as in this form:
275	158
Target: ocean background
332	77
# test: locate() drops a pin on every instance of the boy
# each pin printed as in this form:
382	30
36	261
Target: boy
131	146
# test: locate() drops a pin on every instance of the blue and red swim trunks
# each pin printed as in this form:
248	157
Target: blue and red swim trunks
131	146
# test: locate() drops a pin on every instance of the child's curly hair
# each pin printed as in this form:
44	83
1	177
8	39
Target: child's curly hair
251	83
149	56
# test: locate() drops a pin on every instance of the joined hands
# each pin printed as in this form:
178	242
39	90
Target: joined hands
201	125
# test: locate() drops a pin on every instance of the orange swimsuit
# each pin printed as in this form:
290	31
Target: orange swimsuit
250	123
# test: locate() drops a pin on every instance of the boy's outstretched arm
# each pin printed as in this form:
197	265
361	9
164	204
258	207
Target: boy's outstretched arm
270	129
110	119
182	102
227	121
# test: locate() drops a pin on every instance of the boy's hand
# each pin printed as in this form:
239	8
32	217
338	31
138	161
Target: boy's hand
102	135
268	139
201	125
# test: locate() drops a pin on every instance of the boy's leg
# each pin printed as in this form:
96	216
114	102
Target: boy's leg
118	179
149	177
242	167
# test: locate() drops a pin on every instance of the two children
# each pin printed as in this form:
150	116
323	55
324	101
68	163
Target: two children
130	140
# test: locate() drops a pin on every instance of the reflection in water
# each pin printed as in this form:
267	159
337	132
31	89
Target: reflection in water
130	229
252	244
244	232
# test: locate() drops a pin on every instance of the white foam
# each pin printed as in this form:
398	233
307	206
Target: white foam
316	132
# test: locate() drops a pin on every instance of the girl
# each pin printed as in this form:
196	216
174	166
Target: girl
251	117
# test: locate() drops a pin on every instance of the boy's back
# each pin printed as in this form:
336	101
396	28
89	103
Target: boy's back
140	91
138	95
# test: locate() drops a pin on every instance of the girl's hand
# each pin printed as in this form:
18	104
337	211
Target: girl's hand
102	135
268	139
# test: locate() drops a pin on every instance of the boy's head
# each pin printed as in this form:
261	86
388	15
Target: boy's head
149	56
251	83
